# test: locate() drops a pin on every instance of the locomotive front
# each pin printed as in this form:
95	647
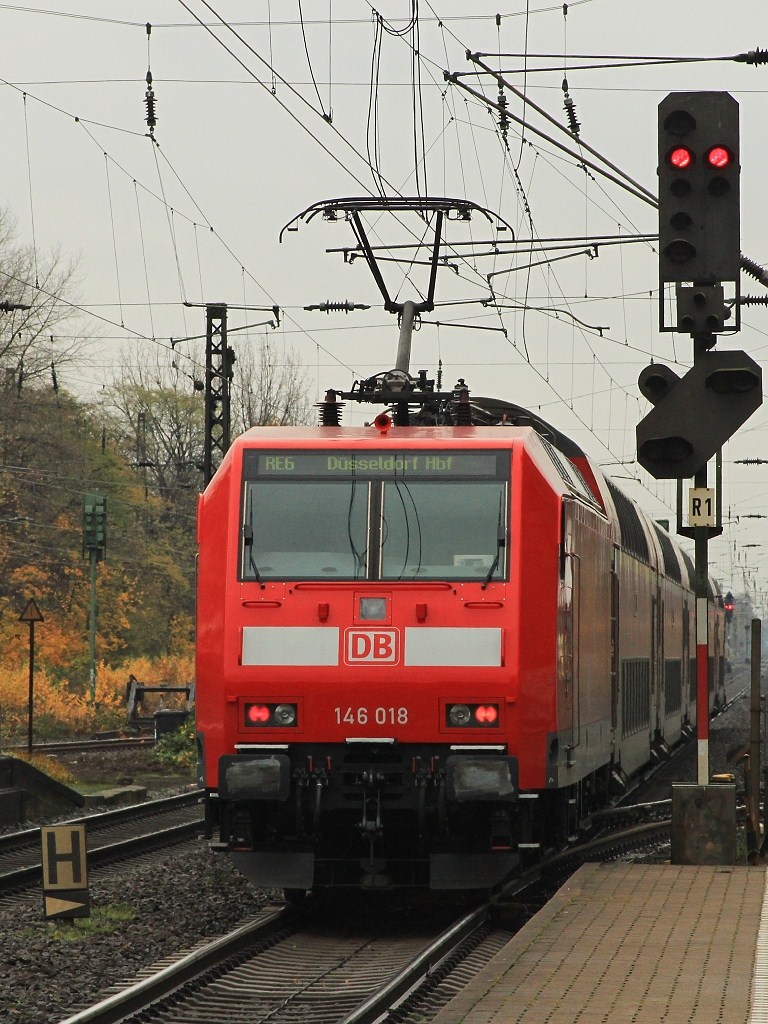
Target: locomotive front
357	657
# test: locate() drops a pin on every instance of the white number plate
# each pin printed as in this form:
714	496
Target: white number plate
371	716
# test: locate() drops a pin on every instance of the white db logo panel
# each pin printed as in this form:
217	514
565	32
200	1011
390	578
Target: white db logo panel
373	646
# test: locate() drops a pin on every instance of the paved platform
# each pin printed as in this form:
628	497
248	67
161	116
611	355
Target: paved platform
632	944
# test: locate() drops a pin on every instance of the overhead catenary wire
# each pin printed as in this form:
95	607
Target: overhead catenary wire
84	123
619	178
223	22
580	158
196	227
29	180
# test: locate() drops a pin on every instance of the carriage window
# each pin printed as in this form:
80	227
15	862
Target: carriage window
443	530
299	529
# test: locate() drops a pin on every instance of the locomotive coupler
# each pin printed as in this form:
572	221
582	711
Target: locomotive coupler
370	825
423	778
306	777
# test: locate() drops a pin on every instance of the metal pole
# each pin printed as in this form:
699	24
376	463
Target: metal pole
701	542
701	343
31	683
753	803
92	629
217	391
406	333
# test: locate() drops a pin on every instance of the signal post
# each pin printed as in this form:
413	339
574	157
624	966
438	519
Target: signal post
95	546
699	254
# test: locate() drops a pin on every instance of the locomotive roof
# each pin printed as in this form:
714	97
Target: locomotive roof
497	436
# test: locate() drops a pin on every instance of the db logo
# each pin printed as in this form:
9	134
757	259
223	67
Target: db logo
372	645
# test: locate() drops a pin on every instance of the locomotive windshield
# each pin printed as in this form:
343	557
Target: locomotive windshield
375	515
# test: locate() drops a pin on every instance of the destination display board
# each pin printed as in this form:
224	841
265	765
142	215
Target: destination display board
329	464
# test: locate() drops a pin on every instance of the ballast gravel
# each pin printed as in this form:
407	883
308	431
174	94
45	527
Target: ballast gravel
140	915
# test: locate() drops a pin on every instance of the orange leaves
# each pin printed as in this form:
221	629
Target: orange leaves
57	710
62	709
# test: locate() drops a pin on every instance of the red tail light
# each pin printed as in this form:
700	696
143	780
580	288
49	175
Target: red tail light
486	714
257	714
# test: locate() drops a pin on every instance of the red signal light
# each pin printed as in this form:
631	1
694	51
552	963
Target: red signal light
681	158
486	714
718	157
257	713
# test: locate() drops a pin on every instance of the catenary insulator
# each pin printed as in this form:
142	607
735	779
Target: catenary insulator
462	408
330	410
570	108
753	57
754	270
149	99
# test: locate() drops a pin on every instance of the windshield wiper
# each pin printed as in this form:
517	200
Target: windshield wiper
248	541
501	542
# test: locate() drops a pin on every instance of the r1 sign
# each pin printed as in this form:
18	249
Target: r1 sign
701	506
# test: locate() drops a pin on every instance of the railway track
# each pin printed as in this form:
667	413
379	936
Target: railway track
357	963
305	964
259	973
364	981
349	964
126	831
93	745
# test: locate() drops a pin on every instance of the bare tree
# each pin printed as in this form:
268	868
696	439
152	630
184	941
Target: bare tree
270	388
158	419
30	338
158	409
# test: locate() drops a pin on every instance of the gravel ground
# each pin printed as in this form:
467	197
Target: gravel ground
140	915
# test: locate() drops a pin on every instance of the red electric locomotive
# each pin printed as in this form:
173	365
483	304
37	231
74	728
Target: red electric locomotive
425	652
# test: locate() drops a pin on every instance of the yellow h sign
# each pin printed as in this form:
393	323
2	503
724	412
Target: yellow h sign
65	871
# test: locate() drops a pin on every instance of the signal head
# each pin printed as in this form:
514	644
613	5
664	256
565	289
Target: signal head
698	148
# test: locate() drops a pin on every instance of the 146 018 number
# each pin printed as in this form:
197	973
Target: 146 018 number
364	716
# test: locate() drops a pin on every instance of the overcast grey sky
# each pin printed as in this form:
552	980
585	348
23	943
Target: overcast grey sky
242	147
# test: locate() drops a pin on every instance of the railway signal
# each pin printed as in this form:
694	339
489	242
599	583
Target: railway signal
95	524
95	546
695	415
699	238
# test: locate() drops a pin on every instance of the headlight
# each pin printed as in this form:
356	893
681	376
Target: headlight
285	714
458	714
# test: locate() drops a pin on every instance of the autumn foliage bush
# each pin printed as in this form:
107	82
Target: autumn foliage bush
62	709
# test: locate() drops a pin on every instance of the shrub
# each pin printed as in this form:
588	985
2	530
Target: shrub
62	709
178	748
